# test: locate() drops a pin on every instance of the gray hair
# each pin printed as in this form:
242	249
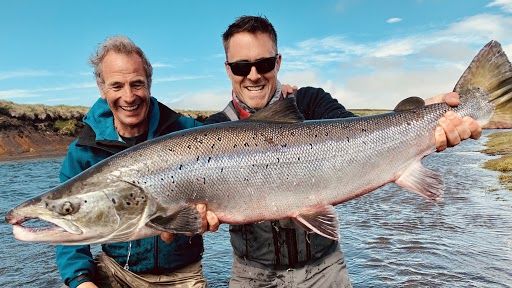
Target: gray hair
121	45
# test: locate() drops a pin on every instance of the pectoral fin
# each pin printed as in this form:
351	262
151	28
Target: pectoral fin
184	221
421	180
323	221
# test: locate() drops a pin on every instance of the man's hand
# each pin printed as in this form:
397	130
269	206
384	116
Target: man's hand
288	90
452	128
210	222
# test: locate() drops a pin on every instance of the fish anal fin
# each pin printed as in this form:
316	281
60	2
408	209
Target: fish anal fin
410	103
184	221
421	180
322	220
281	111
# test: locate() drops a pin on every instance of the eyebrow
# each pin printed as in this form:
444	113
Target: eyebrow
138	81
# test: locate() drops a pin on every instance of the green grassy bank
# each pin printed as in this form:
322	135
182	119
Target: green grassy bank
500	144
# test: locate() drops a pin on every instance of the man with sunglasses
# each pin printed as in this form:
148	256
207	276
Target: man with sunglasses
279	253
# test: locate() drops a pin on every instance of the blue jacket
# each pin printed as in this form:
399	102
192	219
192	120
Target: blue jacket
97	141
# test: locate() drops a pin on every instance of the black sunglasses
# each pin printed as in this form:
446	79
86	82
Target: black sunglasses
243	68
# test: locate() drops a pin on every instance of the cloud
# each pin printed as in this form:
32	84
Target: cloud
508	50
379	74
205	100
23	73
505	5
393	20
66	99
479	27
16	93
161	65
30	93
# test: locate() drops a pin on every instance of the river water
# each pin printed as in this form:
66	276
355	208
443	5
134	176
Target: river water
391	237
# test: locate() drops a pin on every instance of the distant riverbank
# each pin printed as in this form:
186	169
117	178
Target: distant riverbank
500	144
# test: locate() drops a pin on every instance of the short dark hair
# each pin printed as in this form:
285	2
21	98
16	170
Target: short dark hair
251	24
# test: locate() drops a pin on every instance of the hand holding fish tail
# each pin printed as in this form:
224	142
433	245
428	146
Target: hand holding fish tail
210	222
452	128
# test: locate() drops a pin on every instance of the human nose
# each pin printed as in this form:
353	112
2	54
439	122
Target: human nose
128	93
253	74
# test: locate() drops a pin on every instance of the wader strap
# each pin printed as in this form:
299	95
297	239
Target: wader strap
230	112
291	244
275	236
308	245
246	238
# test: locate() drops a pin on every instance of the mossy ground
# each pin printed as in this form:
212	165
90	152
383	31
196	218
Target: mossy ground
500	144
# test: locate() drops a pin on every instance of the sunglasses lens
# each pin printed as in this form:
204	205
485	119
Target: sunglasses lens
265	65
243	69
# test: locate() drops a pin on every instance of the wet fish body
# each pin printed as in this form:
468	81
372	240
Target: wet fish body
272	166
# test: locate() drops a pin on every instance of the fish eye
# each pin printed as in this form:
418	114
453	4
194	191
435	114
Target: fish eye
68	208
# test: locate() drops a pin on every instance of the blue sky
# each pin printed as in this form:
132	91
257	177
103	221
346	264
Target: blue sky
367	54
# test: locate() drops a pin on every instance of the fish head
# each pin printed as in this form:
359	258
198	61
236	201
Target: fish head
91	211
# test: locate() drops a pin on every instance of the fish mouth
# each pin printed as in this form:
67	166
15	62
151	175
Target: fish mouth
36	229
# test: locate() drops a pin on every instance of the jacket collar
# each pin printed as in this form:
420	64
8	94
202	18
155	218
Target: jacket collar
101	119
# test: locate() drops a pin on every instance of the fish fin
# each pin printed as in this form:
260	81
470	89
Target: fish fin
490	71
281	111
302	225
410	103
421	180
322	221
184	221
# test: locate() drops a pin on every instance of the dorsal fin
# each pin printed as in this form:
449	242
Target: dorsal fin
409	104
281	111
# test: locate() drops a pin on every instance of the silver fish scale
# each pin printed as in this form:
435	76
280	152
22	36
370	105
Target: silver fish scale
252	168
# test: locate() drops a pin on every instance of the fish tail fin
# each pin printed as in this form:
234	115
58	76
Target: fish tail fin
491	72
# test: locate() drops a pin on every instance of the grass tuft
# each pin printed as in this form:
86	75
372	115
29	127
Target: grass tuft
500	144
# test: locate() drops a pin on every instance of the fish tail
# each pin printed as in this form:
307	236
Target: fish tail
491	72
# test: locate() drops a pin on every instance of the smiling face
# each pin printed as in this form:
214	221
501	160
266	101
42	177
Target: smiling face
126	89
255	89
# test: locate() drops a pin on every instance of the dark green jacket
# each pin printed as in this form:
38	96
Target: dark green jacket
97	141
282	244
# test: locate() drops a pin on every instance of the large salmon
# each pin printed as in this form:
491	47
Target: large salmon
272	166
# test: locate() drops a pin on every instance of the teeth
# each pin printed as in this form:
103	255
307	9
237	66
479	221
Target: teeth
255	88
130	108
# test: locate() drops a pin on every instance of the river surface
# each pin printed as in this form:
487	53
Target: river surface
391	237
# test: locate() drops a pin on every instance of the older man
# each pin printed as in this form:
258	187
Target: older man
126	115
280	253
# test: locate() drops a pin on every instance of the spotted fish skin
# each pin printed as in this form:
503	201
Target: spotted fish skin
271	166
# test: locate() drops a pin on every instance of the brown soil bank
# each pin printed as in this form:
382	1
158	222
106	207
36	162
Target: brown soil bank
28	131
30	143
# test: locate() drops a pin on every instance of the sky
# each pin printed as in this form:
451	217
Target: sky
367	54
